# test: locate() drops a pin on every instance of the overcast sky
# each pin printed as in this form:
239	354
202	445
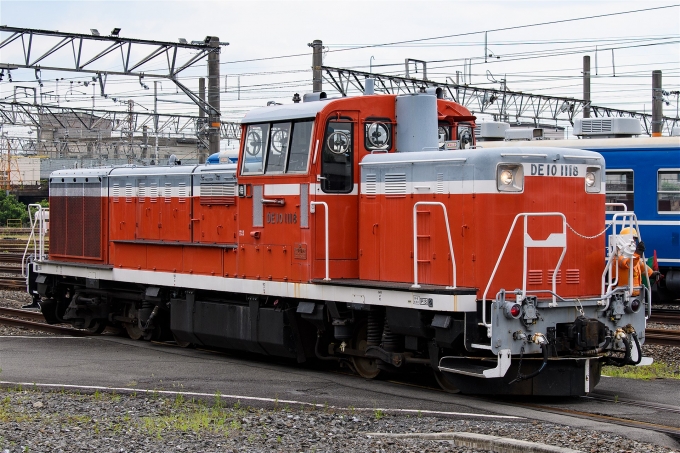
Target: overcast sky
643	41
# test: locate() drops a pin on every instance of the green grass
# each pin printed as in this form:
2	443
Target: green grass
657	370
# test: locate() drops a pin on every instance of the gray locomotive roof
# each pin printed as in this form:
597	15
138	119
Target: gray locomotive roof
533	154
284	112
144	170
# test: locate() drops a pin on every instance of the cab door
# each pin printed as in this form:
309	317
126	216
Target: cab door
338	189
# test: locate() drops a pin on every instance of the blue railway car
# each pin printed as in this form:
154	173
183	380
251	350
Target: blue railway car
644	175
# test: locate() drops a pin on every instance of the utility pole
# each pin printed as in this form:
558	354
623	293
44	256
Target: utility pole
657	104
317	62
201	120
155	119
586	86
213	97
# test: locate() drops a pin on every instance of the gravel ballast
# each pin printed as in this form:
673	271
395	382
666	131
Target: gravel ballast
36	421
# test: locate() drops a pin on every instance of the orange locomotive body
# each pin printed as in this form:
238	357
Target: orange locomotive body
366	229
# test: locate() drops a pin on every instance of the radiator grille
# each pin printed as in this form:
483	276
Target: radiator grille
74	227
182	192
76	221
58	225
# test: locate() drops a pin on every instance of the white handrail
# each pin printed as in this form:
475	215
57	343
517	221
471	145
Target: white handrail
312	210
39	242
415	242
627	217
552	241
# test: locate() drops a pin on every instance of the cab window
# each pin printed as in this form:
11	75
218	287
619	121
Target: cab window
336	158
277	148
254	145
300	146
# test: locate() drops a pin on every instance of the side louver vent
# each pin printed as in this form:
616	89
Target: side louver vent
440	182
395	184
371	184
573	276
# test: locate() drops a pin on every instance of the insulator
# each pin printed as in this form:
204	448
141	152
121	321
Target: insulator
374	328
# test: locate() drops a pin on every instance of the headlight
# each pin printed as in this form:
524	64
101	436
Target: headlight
593	180
590	179
506	177
509	178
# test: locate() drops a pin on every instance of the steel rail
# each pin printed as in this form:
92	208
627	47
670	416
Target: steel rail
43	327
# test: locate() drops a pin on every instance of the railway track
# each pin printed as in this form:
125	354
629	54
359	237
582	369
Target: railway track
30	320
663	337
665	316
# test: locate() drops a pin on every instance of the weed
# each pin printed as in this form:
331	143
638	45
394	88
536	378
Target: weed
97	396
218	399
378	413
657	370
179	400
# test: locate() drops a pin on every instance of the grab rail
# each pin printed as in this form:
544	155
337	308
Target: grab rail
554	240
415	242
312	210
37	220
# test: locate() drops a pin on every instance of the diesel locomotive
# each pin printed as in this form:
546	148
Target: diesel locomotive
347	233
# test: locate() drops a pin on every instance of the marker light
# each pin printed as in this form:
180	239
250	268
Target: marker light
633	306
512	310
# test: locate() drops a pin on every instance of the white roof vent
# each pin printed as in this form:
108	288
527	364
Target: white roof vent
517	133
675	132
607	127
491	130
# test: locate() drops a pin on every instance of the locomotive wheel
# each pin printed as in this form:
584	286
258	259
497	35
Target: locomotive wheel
366	367
445	382
132	329
97	327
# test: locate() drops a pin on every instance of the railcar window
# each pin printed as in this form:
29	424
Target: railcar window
378	134
336	158
669	191
278	148
253	148
299	146
620	189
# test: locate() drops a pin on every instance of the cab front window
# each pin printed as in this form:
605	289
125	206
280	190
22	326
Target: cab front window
277	148
254	145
